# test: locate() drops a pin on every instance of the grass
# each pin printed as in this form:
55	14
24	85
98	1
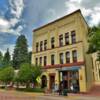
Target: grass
37	90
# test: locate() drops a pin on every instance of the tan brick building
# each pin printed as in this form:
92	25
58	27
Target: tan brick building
60	47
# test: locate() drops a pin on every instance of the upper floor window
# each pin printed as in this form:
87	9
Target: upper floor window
61	40
66	38
52	42
52	59
74	55
73	36
45	44
61	56
67	57
37	46
45	60
41	45
36	61
40	60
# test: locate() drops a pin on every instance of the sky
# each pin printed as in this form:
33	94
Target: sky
22	16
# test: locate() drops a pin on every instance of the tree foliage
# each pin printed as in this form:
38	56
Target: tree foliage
6	58
28	74
37	70
6	74
1	58
25	73
94	41
20	54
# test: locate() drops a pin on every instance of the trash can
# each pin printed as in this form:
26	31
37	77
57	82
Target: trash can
65	92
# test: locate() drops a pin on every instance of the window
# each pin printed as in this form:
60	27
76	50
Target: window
45	44
61	58
52	59
52	42
40	60
74	54
61	40
36	61
73	36
45	60
66	38
67	57
37	45
41	44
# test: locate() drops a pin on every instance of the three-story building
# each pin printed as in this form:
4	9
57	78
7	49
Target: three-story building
60	48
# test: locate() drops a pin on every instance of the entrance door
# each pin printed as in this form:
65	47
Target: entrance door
44	81
52	81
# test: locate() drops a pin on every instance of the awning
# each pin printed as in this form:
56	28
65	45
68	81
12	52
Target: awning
73	68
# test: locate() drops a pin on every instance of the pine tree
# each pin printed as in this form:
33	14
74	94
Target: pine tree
7	58
30	56
1	58
20	54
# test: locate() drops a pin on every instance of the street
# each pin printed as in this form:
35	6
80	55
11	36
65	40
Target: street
13	95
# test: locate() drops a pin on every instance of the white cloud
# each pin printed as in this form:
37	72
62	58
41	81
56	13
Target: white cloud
93	11
17	7
95	18
3	22
13	21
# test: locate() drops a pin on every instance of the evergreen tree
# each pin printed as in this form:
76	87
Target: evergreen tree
20	54
1	58
30	57
6	59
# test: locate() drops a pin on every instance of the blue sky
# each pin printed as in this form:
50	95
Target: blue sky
22	16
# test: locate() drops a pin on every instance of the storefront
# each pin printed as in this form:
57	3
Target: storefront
70	78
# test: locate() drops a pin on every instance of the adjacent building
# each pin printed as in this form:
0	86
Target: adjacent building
60	48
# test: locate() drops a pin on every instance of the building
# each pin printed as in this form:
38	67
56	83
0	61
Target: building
96	69
60	48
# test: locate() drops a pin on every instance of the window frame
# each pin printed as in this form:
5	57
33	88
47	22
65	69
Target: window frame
36	61
61	58
67	57
52	59
73	36
61	40
45	44
52	42
74	56
67	38
40	60
45	60
41	45
37	46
